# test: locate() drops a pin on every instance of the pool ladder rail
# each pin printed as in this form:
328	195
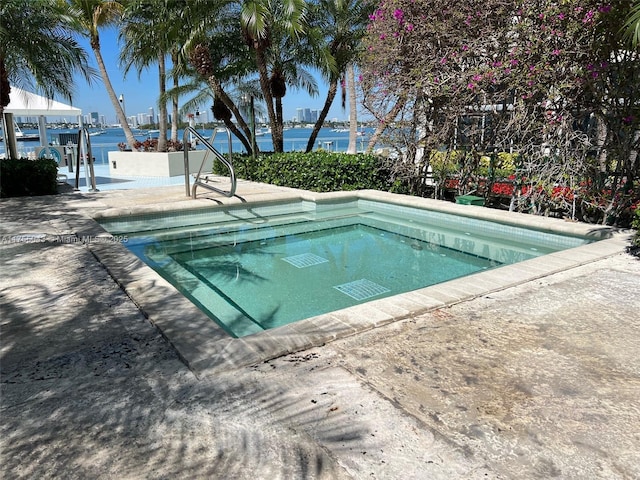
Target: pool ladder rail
203	180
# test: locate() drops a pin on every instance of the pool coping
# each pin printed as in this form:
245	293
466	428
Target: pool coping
206	348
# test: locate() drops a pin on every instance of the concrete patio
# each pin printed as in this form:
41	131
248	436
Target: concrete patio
537	379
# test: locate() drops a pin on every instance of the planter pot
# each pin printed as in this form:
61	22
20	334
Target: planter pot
156	164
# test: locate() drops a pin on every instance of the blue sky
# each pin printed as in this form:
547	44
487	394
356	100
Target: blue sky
140	93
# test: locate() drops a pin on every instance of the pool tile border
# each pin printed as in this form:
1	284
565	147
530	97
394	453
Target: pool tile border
207	349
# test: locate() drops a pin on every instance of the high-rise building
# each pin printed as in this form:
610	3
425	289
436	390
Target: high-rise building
306	115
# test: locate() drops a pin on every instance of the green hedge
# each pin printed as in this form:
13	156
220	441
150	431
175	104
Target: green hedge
22	177
316	171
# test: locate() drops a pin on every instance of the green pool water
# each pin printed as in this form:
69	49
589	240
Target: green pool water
255	269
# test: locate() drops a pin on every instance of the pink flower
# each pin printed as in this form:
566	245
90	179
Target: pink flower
471	86
398	14
382	36
561	16
443	60
628	119
555	52
409	27
476	77
465	48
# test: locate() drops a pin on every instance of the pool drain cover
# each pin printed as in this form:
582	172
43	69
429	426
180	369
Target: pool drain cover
305	260
362	289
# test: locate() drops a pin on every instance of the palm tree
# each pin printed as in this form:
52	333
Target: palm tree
92	15
286	59
343	25
148	36
261	21
631	27
47	65
216	76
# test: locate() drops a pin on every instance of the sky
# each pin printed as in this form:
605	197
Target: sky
140	93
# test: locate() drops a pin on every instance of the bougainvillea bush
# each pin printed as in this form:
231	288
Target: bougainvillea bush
550	81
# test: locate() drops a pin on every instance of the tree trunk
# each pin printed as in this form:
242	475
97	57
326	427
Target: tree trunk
353	110
276	134
383	125
244	133
331	95
234	129
162	110
114	100
175	107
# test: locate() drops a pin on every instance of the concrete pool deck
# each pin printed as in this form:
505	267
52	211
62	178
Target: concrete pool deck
531	375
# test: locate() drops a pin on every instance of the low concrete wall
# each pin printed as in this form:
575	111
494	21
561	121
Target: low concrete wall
156	164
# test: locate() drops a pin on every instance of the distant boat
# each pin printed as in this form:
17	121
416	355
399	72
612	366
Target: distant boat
24	137
263	131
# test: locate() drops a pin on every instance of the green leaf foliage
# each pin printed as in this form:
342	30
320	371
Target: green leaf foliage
316	171
22	177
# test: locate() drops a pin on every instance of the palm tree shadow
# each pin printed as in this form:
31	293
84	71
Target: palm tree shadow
91	389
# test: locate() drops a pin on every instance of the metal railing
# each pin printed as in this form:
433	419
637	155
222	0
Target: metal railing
84	153
199	181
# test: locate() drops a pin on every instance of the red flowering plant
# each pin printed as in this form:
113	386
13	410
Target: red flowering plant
151	145
424	77
580	100
550	80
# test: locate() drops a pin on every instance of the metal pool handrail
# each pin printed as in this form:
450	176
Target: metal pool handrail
210	148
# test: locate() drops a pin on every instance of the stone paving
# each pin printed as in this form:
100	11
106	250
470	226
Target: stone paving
537	380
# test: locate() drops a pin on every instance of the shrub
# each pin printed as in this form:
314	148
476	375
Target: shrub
316	171
23	177
504	165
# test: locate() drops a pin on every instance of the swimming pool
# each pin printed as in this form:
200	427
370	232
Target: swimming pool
252	268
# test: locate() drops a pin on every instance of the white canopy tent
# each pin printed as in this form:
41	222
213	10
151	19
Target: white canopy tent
23	103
